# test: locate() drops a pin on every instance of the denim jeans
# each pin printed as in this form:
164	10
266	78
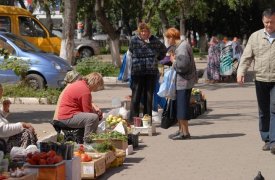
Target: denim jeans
265	92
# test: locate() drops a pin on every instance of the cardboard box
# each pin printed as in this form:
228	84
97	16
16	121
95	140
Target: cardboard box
93	169
73	169
109	157
48	172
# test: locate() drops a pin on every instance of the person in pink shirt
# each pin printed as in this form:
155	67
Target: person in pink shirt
76	109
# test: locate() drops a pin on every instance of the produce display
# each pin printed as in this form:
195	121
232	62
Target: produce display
44	158
196	96
105	146
195	91
113	120
109	135
81	153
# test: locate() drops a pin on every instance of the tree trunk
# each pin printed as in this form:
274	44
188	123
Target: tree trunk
110	30
21	2
203	43
182	24
165	25
48	22
88	27
67	44
114	47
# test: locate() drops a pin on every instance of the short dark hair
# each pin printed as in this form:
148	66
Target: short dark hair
269	12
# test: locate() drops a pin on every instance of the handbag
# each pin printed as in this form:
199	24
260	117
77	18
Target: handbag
169	115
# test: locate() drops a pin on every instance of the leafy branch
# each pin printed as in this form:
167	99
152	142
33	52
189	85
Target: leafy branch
19	66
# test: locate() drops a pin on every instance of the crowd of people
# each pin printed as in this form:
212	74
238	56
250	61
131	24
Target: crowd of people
75	108
223	59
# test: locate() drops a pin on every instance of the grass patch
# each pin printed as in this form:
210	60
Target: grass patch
92	64
18	90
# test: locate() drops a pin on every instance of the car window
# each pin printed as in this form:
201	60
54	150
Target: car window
5	24
7	46
22	44
29	27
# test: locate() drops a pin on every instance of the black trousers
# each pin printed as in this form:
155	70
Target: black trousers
142	92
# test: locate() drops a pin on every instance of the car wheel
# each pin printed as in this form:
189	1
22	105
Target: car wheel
86	52
35	81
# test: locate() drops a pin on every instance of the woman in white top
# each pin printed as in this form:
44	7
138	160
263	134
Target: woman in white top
19	134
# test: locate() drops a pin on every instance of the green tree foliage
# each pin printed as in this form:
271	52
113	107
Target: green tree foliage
19	66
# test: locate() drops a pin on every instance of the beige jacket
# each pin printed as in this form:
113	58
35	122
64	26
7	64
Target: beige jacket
260	50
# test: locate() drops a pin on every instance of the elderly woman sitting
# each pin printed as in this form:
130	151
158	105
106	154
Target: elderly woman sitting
75	108
19	134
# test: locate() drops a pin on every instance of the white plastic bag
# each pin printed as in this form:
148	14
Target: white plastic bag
101	127
167	88
123	112
17	152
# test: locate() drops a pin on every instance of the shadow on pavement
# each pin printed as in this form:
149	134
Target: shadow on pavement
35	117
223	85
129	161
218	136
220	116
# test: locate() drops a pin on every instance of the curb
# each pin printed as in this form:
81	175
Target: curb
28	100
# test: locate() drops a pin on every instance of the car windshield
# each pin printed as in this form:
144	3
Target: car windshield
22	44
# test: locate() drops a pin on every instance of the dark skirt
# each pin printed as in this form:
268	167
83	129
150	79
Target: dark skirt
183	104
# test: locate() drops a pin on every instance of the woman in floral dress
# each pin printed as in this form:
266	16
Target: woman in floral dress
213	63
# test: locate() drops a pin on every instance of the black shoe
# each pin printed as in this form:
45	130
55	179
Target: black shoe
266	146
272	148
174	134
181	137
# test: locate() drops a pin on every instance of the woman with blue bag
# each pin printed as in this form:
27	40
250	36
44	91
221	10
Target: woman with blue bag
186	77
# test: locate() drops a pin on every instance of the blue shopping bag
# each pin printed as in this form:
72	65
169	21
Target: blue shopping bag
167	88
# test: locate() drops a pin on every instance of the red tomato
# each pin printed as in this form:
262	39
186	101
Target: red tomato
29	155
51	153
31	161
50	160
84	157
43	155
57	159
42	162
36	157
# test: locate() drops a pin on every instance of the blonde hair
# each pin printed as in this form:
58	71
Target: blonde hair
94	81
172	33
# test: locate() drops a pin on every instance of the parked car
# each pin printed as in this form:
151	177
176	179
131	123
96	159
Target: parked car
104	37
83	47
22	23
46	69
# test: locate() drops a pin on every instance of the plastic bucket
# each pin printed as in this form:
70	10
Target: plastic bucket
137	121
145	123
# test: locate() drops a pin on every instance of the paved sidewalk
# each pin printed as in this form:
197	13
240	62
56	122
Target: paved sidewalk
225	142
